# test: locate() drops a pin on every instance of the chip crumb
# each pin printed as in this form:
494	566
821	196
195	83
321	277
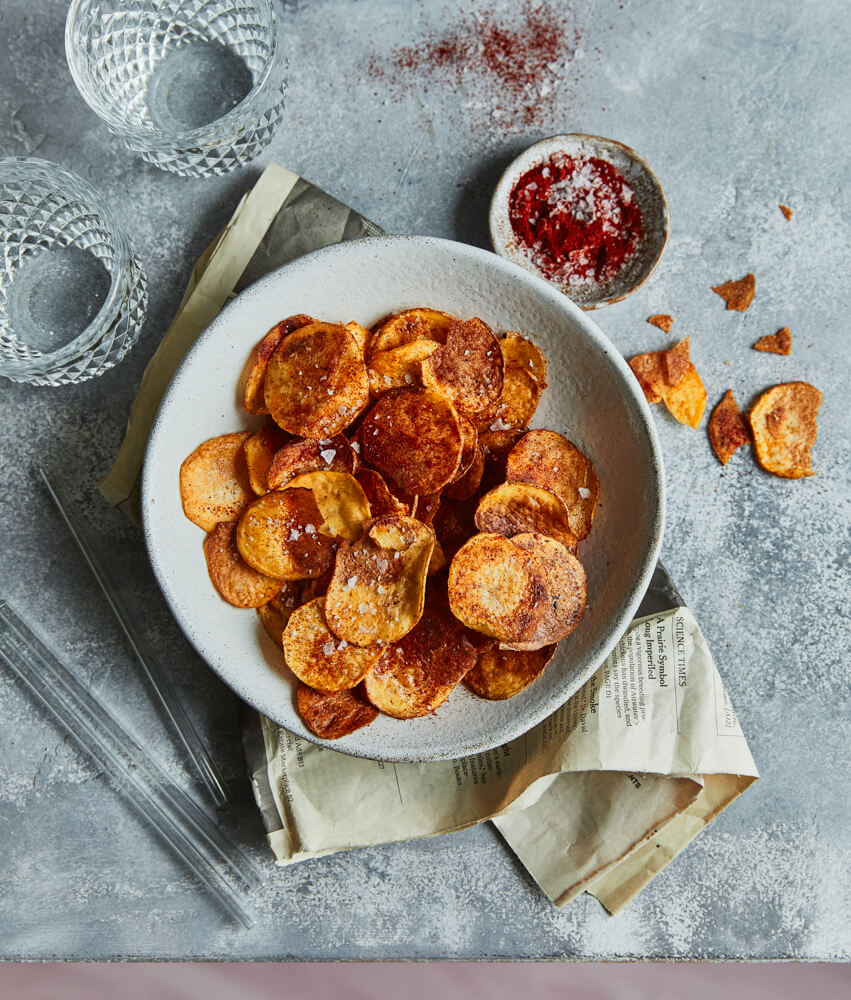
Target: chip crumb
776	343
737	294
662	320
787	212
727	428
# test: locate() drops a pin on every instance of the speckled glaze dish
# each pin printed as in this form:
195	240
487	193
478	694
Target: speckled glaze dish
592	398
648	194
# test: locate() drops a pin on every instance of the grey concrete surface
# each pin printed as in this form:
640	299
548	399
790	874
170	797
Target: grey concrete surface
738	107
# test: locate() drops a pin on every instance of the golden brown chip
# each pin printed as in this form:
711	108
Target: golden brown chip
497	588
548	460
777	343
521	393
278	534
520	353
311	455
377	591
340	499
513	508
412	437
737	294
237	582
399	366
415	675
318	657
687	399
662	320
564	602
676	362
467	368
408	326
649	369
276	613
783	423
260	449
787	212
503	673
727	428
333	715
377	492
361	335
255	383
214	481
316	381
468	485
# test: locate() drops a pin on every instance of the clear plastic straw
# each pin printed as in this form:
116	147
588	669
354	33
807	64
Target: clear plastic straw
158	678
215	859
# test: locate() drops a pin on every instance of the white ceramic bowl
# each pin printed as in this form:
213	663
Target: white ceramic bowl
593	399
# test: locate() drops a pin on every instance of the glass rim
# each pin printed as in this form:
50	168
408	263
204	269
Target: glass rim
203	135
18	169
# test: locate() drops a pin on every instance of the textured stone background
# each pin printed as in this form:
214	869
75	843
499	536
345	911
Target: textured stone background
737	107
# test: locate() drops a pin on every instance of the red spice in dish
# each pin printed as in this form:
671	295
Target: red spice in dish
576	218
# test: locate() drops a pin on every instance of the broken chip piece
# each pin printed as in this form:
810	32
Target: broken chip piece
727	428
776	343
332	715
214	481
787	212
737	294
784	428
238	583
662	320
687	399
670	376
503	673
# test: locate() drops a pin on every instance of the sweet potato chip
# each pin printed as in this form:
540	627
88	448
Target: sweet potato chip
737	294
377	492
333	715
415	675
676	362
564	602
787	212
662	320
260	449
727	428
687	399
399	366
311	455
377	591
548	460
318	657
521	393
783	423
503	673
255	383
237	582
520	353
685	396
412	437
278	534
649	369
469	443
316	381
361	335
497	588
340	499
214	481
468	485
776	343
513	508
467	368
275	614
408	326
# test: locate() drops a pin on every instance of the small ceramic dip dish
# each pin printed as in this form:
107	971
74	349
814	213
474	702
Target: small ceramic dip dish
583	212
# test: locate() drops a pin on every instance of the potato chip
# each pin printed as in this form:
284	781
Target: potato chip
548	460
687	399
737	294
318	657
468	485
260	449
676	362
377	592
333	715
783	423
237	582
520	353
278	534
214	481
377	492
408	326
412	437
316	381
777	343
399	366
727	428
311	455
340	499
497	588
662	320
255	383
513	508
564	602
503	673
467	368
361	335
415	675
521	393
275	614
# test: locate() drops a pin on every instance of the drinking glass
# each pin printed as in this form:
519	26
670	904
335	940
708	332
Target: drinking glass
194	86
73	294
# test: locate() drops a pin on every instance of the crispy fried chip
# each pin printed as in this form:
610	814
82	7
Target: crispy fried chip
377	592
787	212
317	657
276	613
278	534
311	455
777	343
255	383
548	460
649	369
412	437
468	485
417	674
467	368
340	499
687	399
564	602
377	492
503	673
520	353
513	508
237	582
260	449
332	715
214	481
727	428
497	588
737	294
521	393
408	326
662	320
685	396
783	423
676	362
400	366
361	335
425	506
316	381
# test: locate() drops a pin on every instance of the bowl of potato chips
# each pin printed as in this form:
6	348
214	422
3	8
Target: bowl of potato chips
403	497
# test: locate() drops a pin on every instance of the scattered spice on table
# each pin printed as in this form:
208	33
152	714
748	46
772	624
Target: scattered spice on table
737	294
776	343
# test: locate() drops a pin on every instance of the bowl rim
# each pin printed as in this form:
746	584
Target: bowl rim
641	578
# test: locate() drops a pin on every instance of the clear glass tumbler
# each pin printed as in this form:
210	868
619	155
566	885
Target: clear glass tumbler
195	86
72	292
